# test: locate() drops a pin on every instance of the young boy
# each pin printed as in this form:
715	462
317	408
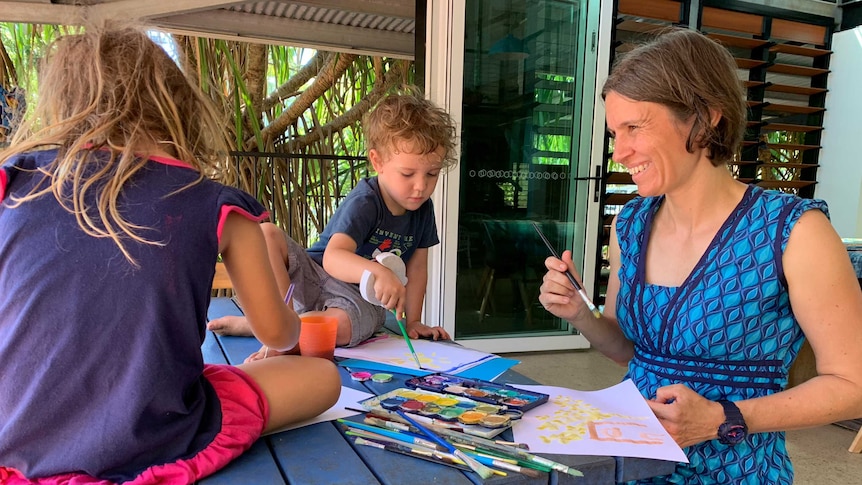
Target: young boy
410	141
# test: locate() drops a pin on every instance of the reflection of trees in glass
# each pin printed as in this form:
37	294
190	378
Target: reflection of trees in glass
553	137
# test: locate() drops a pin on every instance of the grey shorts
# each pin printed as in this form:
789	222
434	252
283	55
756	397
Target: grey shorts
316	290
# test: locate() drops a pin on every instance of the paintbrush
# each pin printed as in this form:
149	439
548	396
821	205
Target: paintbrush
434	458
502	463
406	338
358	433
513	451
572	280
481	469
379	437
398	435
503	456
289	293
512	443
386	419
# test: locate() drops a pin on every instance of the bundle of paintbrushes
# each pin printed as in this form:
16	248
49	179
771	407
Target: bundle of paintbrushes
445	444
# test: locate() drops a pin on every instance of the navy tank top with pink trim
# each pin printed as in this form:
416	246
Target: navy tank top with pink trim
102	367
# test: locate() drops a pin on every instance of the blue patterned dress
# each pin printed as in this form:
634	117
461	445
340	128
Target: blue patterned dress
727	332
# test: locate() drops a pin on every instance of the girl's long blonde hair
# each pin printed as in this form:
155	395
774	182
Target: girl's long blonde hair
114	90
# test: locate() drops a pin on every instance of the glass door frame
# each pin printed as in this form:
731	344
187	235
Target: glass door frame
443	76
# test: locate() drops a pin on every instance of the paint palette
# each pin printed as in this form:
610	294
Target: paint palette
477	418
479	390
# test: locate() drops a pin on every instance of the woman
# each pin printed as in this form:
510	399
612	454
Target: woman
715	284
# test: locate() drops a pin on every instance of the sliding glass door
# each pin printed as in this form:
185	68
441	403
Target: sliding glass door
527	85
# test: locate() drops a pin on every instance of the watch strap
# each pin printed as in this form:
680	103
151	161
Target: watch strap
731	411
734	430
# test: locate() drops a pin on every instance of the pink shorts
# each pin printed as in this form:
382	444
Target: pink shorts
245	412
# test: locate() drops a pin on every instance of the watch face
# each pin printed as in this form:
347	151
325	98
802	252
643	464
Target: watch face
731	434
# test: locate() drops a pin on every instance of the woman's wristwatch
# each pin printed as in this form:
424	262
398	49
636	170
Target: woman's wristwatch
733	430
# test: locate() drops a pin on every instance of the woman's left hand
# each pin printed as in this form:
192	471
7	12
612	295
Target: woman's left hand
686	415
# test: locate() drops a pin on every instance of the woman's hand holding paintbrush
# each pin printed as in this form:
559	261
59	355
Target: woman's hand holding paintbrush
555	294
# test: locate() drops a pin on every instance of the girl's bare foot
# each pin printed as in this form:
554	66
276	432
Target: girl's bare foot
230	325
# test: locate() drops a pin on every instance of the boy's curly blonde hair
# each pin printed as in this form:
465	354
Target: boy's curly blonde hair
410	119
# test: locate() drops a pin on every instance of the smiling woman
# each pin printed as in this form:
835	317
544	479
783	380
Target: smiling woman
714	285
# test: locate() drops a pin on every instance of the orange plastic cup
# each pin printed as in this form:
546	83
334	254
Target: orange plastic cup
317	336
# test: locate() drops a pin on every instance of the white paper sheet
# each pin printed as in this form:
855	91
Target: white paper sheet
349	398
610	422
435	356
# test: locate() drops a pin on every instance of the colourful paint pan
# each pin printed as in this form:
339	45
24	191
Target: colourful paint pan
392	403
475	393
360	376
412	405
479	390
515	402
444	407
427	398
450	414
446	402
430	409
471	417
495	421
486	408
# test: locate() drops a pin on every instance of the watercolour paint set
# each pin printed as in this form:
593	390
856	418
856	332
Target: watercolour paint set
473	417
479	390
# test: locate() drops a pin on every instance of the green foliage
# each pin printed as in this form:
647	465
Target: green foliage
266	110
25	44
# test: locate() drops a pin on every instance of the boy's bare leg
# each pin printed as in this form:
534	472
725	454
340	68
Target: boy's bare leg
276	248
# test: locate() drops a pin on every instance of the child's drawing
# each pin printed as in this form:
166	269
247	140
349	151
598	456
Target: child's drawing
575	419
614	422
436	356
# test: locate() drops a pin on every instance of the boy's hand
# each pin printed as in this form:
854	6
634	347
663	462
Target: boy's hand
419	329
388	289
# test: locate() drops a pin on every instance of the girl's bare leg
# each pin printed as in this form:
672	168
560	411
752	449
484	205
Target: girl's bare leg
297	388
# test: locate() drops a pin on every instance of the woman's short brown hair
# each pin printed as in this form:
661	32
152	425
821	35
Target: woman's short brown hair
690	74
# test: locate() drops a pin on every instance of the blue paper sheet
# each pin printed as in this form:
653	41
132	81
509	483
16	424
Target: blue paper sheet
488	370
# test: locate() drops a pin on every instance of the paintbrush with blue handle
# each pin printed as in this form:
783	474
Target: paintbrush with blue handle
482	470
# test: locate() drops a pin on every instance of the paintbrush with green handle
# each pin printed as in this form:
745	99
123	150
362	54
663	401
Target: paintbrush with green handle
406	338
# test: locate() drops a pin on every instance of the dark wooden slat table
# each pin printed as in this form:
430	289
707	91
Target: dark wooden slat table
323	454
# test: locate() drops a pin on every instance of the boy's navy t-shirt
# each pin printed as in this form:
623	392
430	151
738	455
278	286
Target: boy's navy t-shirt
363	216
